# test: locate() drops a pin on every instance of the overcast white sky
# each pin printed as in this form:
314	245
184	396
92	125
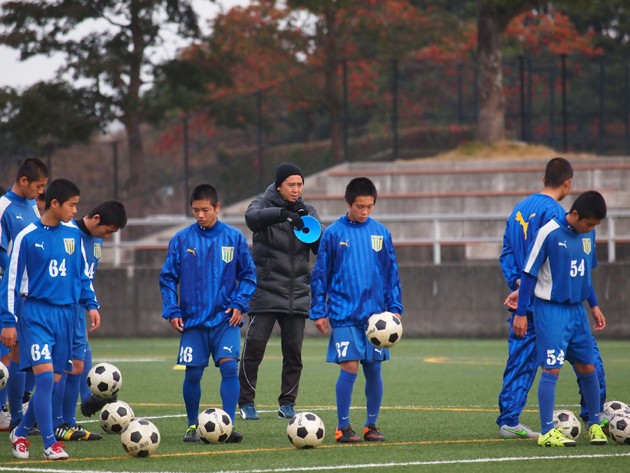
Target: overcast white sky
21	74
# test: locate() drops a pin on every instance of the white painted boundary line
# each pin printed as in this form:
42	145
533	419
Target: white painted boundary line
380	466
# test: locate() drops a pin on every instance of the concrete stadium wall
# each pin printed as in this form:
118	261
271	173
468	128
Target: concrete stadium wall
455	300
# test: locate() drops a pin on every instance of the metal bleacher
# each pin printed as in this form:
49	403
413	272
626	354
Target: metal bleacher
437	211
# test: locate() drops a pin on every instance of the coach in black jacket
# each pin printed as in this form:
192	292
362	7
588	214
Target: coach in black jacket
283	287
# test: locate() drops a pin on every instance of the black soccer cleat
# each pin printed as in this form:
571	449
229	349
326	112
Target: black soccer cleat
94	404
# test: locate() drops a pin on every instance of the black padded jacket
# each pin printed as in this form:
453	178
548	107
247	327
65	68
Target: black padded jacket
282	261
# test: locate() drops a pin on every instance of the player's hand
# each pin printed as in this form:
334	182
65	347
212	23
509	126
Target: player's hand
600	320
95	320
177	323
293	218
9	336
519	326
322	325
237	316
511	302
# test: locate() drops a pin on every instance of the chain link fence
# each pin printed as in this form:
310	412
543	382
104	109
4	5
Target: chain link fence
388	110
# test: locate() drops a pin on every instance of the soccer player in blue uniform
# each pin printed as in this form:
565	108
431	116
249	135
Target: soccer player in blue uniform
18	209
211	264
47	267
557	271
527	217
355	276
105	219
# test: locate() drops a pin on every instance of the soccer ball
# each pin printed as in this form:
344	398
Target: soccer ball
4	375
104	380
115	417
568	423
306	430
619	427
141	438
384	330
214	426
613	407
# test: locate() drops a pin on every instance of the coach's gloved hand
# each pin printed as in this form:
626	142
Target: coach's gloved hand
299	208
293	218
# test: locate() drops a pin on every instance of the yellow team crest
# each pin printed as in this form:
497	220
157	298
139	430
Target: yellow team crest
97	250
377	242
586	245
69	245
227	253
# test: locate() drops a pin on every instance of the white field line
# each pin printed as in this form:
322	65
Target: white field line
379	466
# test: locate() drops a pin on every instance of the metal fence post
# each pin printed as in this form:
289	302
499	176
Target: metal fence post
602	98
612	256
437	249
521	86
394	109
563	63
259	151
186	174
115	165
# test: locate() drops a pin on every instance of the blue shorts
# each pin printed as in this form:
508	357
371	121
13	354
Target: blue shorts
198	343
46	335
351	344
562	334
79	345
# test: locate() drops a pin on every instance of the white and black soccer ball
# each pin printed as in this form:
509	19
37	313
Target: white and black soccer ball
4	375
141	438
115	417
306	430
619	427
384	330
214	426
613	407
568	423
104	380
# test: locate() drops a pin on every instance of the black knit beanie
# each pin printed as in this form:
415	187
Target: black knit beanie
285	170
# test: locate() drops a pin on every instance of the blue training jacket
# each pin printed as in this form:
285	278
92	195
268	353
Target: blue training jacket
214	270
520	229
47	264
356	274
16	213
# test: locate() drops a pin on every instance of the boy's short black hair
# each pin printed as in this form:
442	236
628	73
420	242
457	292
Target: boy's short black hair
360	186
205	192
32	169
61	190
590	204
557	171
111	212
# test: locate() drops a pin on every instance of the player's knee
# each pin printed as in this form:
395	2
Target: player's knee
228	368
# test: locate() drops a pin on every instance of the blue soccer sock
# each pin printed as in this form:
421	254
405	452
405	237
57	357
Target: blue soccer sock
590	390
3	396
71	394
192	392
546	400
15	391
27	422
42	406
29	382
87	366
229	387
373	391
58	392
345	383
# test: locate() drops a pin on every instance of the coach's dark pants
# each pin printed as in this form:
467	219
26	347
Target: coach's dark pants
257	336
